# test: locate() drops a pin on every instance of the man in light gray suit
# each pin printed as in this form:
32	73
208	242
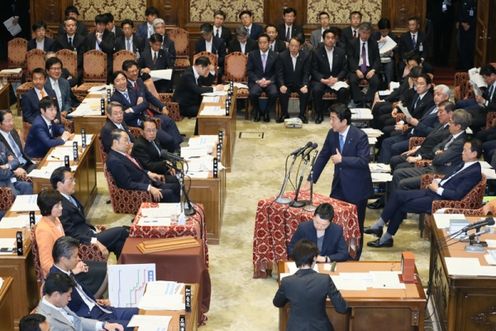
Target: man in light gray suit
59	85
325	23
57	294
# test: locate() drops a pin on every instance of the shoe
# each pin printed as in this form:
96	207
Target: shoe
319	119
282	118
256	117
375	231
377	243
303	118
266	117
377	204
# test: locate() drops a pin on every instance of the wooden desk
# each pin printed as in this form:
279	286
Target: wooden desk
6	299
210	192
24	286
191	317
227	124
462	302
85	175
374	309
5	96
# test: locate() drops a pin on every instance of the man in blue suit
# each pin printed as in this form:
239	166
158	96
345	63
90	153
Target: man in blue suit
453	186
59	85
9	165
83	303
30	101
254	30
348	148
44	133
145	30
327	236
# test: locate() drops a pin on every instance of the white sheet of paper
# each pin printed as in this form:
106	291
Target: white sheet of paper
381	177
14	29
161	302
344	284
161	74
489	173
240	85
213	111
372	132
11	71
195	151
154	221
386	280
100	88
380	167
404	110
9	243
25	202
443	220
78	138
214	93
19	221
462	266
163	210
394	85
491	243
339	85
198	174
203	140
150	322
208	99
388	45
361	113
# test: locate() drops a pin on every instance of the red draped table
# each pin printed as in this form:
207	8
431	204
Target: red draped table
276	223
195	227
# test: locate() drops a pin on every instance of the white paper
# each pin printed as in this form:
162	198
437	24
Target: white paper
150	322
361	113
204	163
386	280
154	221
239	85
14	29
161	302
491	243
11	71
462	266
344	284
195	151
387	44
215	93
384	93
404	110
203	140
99	88
372	141
213	111
339	85
127	282
46	171
372	132
19	221
208	99
25	202
381	177
161	74
198	174
489	173
394	85
443	220
162	210
490	259
380	167
9	243
164	287
476	78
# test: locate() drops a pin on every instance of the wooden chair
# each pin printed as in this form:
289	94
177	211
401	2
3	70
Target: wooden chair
125	201
95	66
69	61
235	70
180	37
211	56
17	49
120	57
35	58
462	87
174	111
6	198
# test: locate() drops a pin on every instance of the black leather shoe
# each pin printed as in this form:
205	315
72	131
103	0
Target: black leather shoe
377	243
319	119
282	118
256	117
377	204
266	117
303	118
376	231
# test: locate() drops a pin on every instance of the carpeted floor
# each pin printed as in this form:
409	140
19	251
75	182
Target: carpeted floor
240	302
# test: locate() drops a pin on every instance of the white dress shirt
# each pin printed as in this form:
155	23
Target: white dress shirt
330	55
55	86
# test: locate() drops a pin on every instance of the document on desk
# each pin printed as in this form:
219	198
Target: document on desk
12	26
154	221
165	74
213	111
162	210
214	93
161	302
7	245
211	99
203	140
164	287
443	220
87	108
99	88
11	71
78	138
378	177
60	152
344	283
19	221
198	174
150	322
361	113
462	266
46	171
380	167
372	132
386	280
26	202
190	152
489	173
491	243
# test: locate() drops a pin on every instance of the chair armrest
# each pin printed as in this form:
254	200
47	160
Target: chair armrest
423	163
90	253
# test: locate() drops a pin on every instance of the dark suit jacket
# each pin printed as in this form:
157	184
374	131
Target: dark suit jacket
320	64
170	49
142	31
138	44
373	55
188	92
422	104
347	36
306	291
295	30
118	32
143	91
436	136
47	46
450	158
65	91
39	140
353	173
333	246
226	35
461	183
218	48
426	123
405	44
163	60
106	134
255	31
491	106
126	174
298	77
62	42
148	157
234	46
134	118
30	104
279	46
74	221
107	44
18	141
255	68
81	29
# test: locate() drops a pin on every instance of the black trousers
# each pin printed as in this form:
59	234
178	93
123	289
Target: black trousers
284	100
319	89
113	239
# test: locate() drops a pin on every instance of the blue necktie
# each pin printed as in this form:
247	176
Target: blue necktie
341	142
126	95
16	149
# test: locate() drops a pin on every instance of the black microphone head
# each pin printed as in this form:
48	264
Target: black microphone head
315	145
308	144
490	221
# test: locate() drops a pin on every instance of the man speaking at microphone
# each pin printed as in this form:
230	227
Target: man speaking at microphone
348	148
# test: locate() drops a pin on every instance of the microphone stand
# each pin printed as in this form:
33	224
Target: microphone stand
475	244
310	206
187	208
295	203
280	199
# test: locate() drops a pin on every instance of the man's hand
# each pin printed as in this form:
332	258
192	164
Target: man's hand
20	172
283	89
465	26
439	151
321	259
304	89
103	302
359	74
412	121
80	267
139	100
219	87
412	159
433	186
156	177
370	74
67	136
480	100
145	70
332	81
156	193
165	111
337	158
112	326
129	110
102	249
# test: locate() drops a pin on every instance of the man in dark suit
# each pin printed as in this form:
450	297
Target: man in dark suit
134	105
326	235
293	75
44	133
422	104
254	30
242	43
83	303
329	65
351	33
71	40
59	85
30	101
74	220
307	292
317	36
483	103
275	44
168	45
221	31
154	57
466	34
454	186
129	40
193	82
289	29
145	30
348	148
412	41
365	63
12	141
102	40
115	120
40	41
73	12
9	173
210	43
445	156
112	27
129	175
261	69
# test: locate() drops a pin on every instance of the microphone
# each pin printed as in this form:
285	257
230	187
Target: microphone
476	225
310	149
300	150
170	156
473	235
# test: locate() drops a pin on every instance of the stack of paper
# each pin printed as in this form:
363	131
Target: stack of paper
215	93
213	111
91	107
162	210
203	140
46	171
375	133
19	221
381	177
208	99
238	85
380	167
11	71
161	74
204	163
386	45
361	114
192	152
25	202
162	295
339	85
150	322
7	245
